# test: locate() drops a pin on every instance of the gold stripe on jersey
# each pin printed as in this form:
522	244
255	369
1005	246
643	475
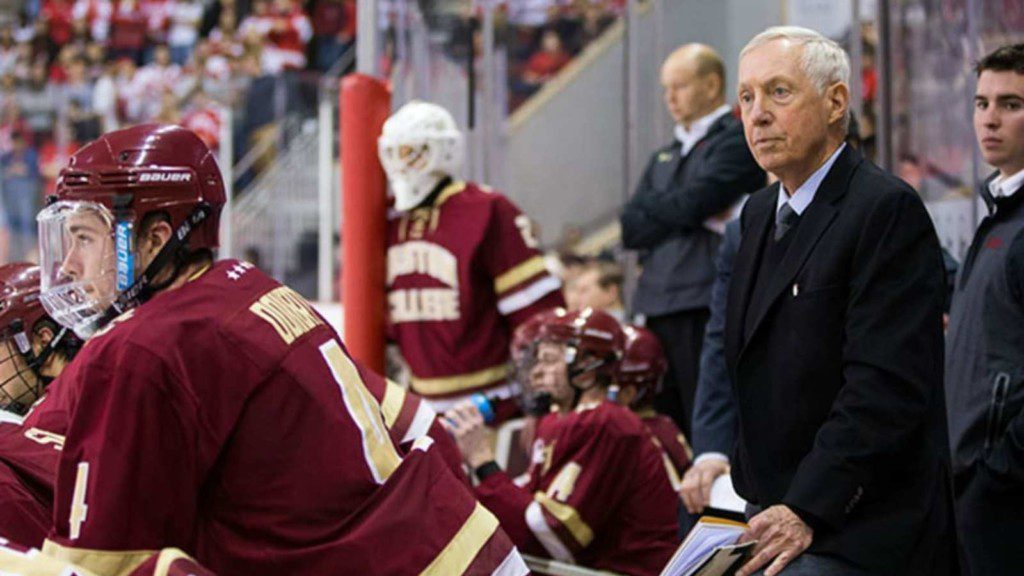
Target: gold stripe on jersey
166	558
380	453
287	312
569	518
449	191
35	563
459	382
105	562
519	273
391	406
670	468
467	543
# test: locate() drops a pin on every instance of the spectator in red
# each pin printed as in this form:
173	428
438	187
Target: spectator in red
127	31
290	31
204	119
544	64
96	16
54	154
58	17
334	28
156	14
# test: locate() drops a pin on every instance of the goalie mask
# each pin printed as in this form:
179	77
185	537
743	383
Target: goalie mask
94	265
419	147
22	321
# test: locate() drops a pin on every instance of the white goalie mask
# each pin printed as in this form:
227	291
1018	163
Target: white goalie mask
419	146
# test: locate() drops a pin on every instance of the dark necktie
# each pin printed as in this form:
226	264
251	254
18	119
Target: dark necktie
785	219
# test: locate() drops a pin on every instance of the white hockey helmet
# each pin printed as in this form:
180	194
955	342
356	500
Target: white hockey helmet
419	146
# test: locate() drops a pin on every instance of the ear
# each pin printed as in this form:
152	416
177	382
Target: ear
154	238
712	85
838	98
43	336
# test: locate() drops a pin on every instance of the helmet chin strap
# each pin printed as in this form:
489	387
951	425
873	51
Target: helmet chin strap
145	284
573	372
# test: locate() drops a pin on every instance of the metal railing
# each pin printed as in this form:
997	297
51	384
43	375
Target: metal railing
281	203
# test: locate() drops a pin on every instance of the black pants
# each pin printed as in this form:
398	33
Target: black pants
990	521
681	335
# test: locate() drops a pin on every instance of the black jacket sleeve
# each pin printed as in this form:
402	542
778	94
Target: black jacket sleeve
639	230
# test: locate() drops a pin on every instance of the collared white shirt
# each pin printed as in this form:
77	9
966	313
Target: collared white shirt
699	128
803	196
1004	186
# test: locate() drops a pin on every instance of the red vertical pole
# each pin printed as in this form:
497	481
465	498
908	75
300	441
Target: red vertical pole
365	105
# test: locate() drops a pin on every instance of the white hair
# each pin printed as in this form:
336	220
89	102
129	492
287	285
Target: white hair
823	60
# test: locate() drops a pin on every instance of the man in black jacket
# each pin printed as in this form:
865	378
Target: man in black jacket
834	337
703	173
985	344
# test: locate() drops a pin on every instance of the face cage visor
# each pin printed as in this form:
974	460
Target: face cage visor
20	386
86	258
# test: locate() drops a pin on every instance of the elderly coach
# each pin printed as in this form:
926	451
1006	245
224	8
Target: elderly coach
834	337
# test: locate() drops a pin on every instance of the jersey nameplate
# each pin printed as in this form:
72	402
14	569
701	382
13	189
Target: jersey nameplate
287	312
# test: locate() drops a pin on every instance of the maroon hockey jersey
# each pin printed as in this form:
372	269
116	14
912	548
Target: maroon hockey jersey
672	441
462	274
595	494
225	418
28	465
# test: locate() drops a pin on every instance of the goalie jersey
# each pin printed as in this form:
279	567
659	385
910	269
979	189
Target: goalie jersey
595	494
461	275
225	418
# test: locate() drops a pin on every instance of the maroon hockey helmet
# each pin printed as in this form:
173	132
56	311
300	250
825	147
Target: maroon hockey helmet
525	336
21	315
87	233
149	168
643	364
594	342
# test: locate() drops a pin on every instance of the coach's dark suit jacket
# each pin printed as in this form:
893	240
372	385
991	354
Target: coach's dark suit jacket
839	378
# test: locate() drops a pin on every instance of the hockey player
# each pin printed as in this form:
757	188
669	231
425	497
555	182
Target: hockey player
212	409
463	265
640	374
33	350
596	492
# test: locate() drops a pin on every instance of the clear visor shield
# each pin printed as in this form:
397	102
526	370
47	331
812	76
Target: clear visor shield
86	258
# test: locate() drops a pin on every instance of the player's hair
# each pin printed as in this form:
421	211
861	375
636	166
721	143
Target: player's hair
608	274
1009	58
822	60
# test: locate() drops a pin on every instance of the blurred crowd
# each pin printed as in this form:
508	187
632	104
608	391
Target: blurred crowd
73	69
540	37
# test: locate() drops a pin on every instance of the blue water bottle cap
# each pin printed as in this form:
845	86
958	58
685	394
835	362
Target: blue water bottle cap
484	406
